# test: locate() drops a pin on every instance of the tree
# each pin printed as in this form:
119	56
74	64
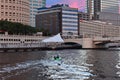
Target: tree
17	28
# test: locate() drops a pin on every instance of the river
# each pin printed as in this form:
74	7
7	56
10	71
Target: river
73	65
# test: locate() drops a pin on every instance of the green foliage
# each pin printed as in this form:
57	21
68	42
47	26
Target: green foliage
17	28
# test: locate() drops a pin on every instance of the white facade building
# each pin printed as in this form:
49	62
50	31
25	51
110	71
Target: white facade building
98	29
34	4
69	21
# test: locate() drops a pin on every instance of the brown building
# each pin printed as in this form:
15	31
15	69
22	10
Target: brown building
58	19
15	11
50	22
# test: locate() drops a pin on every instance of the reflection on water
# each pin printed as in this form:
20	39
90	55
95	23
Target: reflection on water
118	65
17	69
74	65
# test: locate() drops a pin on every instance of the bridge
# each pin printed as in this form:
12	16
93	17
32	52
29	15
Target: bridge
95	42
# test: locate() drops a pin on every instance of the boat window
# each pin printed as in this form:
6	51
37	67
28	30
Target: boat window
5	39
1	39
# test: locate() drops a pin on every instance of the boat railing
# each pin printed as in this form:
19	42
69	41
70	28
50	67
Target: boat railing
27	45
3	35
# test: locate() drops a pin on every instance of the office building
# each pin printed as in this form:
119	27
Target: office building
58	19
15	11
98	29
34	4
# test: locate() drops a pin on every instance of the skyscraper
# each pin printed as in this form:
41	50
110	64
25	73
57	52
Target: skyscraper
15	11
34	4
95	7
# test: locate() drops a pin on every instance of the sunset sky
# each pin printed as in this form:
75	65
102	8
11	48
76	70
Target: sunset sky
72	3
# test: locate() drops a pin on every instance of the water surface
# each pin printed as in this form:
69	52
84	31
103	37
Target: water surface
74	65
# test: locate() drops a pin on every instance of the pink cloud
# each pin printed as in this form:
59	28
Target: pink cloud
74	3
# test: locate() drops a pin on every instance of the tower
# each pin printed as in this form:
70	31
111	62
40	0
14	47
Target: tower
34	4
95	7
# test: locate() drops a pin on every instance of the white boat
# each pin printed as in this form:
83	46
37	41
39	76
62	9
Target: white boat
15	41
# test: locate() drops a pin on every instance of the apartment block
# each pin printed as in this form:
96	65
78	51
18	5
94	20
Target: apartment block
15	11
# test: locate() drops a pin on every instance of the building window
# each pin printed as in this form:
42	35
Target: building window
6	13
13	1
13	13
9	19
9	1
10	7
2	1
10	13
13	7
6	7
2	13
2	6
6	1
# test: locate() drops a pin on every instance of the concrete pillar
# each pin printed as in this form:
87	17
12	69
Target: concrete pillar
87	43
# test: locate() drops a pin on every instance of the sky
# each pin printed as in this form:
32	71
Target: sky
72	3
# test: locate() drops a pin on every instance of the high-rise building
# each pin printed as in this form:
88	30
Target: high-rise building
15	11
89	7
58	19
95	7
34	4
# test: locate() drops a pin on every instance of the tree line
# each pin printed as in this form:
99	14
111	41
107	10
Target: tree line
16	28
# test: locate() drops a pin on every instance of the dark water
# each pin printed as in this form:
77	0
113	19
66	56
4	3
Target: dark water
74	65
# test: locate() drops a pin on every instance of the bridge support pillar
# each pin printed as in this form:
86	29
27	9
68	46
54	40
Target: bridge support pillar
88	43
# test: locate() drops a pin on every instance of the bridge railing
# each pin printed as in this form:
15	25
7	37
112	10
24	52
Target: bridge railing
106	39
101	39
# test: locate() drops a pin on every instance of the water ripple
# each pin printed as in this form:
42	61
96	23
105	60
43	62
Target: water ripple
67	72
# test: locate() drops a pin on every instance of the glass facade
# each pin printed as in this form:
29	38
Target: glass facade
34	4
94	7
